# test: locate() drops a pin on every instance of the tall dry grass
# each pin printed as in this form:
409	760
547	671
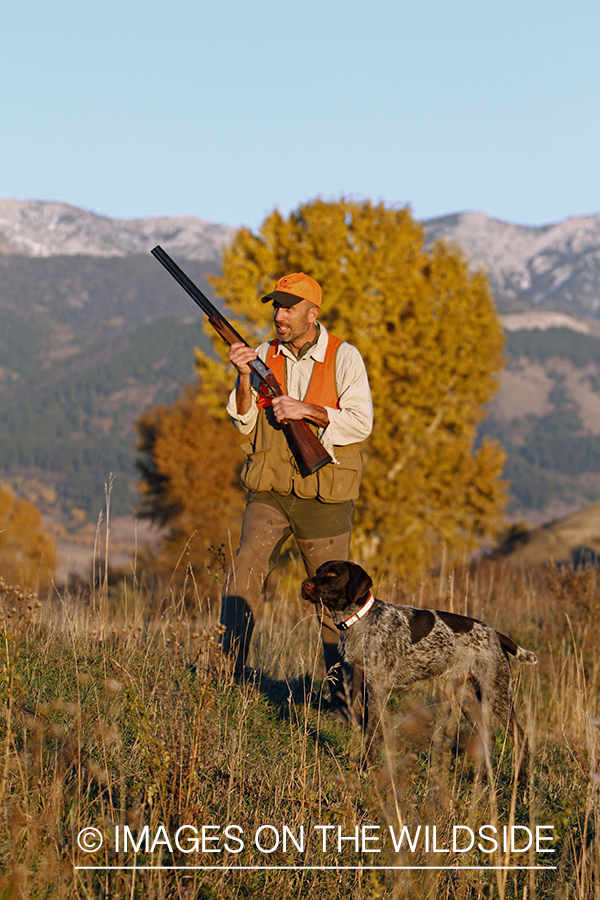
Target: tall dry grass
105	725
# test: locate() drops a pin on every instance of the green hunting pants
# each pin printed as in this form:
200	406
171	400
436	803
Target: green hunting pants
268	522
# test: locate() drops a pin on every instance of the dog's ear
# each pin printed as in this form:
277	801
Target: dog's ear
359	582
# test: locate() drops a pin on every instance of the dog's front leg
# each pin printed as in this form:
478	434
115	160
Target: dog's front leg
373	711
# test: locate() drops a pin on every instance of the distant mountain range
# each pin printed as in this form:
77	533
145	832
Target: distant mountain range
92	332
38	228
554	266
551	266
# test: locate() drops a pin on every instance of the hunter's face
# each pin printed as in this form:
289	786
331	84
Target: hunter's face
294	324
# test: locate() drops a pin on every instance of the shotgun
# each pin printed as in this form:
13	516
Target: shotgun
312	455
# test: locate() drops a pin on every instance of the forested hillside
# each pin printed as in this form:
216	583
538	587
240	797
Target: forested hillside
547	417
86	345
90	339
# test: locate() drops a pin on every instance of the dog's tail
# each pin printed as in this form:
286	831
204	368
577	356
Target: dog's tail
521	655
526	656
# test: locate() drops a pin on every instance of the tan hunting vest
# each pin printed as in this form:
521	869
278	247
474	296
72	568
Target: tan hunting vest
271	465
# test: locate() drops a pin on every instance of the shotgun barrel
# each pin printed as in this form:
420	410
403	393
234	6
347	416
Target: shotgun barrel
312	455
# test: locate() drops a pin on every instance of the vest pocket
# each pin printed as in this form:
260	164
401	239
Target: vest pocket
341	481
254	475
259	475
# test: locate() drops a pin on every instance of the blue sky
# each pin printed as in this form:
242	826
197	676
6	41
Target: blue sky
227	109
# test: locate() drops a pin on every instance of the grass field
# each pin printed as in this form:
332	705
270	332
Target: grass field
105	726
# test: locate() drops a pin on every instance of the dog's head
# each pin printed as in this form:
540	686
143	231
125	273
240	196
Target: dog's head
339	585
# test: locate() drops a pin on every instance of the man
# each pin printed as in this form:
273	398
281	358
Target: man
325	382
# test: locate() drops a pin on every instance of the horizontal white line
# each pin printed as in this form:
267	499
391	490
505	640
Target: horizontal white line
334	868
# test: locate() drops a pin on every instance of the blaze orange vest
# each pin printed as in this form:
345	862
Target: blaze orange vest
322	389
271	465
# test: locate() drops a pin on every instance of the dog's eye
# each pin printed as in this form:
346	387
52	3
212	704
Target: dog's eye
331	574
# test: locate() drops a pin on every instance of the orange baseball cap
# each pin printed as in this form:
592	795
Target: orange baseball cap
291	289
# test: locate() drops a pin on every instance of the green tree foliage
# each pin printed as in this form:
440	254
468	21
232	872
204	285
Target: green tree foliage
432	343
27	553
189	482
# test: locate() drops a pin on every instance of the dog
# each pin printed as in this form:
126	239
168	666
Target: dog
395	646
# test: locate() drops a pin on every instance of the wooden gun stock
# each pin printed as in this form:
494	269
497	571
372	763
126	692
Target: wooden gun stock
310	450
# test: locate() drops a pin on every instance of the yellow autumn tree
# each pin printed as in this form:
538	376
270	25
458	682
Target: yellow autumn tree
189	464
27	554
432	343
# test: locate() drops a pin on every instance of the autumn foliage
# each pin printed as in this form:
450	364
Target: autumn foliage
432	343
431	340
27	554
189	466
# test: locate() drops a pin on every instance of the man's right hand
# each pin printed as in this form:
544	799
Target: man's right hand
240	355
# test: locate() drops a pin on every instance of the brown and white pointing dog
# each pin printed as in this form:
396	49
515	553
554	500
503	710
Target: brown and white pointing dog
395	646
